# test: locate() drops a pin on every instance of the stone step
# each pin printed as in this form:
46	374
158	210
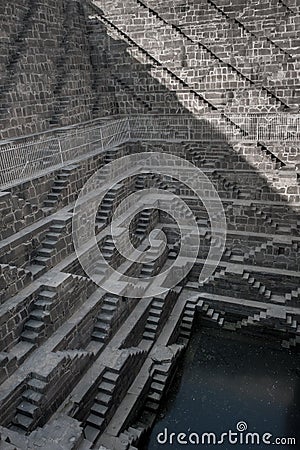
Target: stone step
103	399
36	270
111	377
154	397
52	236
188	319
154	312
112	300
50	203
150	327
28	409
32	396
37	385
237	258
106	207
107	308
46	252
107	254
98	336
148	335
59	189
22	421
140	230
185	334
99	410
49	243
160	378
47	295
43	304
29	336
95	421
186	327
106	387
152	319
41	260
54	196
57	227
151	406
102	327
40	315
157	305
157	387
34	325
106	318
146	272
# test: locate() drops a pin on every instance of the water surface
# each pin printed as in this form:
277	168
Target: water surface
226	378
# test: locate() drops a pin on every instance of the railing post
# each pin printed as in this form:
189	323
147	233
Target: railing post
128	129
61	152
101	138
257	129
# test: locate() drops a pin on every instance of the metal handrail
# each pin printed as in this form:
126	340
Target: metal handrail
28	159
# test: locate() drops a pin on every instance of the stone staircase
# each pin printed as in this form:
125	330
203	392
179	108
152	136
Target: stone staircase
210	313
35	328
48	254
257	285
230	189
60	189
160	309
96	419
161	375
150	264
108	249
140	182
105	319
44	316
42	391
251	320
110	392
219	274
143	223
108	204
154	319
292	298
293	325
29	409
187	320
254	254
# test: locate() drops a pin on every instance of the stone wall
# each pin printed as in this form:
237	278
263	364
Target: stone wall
49	74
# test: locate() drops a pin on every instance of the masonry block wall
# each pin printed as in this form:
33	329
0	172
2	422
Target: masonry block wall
217	50
64	63
76	360
49	74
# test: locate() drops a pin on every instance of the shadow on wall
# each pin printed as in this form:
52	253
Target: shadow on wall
242	172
